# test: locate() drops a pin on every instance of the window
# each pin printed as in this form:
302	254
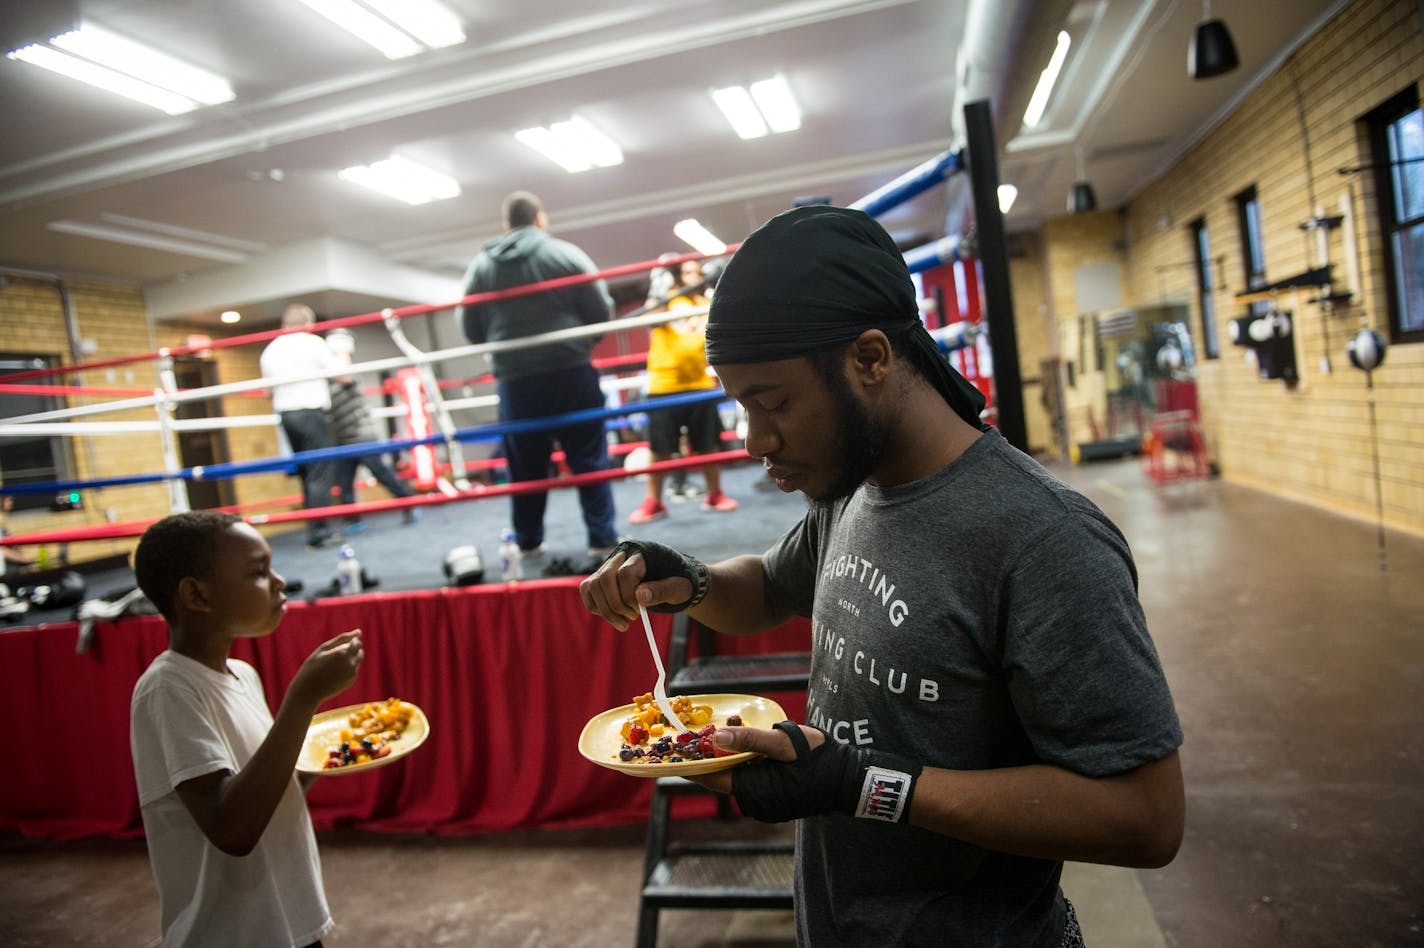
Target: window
39	459
1201	248
1397	143
1274	354
1253	254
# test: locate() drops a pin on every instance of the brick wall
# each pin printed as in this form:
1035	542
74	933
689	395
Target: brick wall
114	317
1069	243
1311	442
1034	324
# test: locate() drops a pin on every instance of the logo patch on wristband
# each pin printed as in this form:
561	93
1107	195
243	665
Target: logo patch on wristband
884	794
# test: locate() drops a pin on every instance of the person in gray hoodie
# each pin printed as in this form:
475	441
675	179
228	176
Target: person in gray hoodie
553	379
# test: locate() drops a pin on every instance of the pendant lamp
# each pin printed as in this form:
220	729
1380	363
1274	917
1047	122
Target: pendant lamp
1082	199
1212	52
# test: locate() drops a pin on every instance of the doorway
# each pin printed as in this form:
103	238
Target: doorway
202	447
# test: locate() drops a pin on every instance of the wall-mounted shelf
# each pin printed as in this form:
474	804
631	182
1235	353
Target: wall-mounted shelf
1320	276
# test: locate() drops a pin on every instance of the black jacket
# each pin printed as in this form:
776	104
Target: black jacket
350	417
528	255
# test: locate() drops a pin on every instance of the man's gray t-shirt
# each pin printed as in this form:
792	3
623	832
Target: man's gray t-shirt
983	617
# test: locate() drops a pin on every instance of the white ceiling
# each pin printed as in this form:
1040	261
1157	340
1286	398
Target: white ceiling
881	83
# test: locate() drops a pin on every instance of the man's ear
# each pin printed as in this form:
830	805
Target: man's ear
192	595
869	357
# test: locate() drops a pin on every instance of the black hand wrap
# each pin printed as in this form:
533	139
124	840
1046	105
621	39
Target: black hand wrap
663	562
833	778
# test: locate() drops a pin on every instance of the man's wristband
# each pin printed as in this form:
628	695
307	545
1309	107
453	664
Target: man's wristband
663	562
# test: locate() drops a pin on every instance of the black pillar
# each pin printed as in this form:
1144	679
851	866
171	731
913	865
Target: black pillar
994	260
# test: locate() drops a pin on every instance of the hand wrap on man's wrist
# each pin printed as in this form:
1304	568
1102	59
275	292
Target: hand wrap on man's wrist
833	778
663	562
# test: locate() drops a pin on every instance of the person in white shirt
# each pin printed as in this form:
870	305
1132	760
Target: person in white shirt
302	407
229	836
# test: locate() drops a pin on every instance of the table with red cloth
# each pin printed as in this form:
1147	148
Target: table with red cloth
506	674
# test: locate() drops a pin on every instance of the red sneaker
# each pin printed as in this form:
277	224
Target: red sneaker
649	510
719	502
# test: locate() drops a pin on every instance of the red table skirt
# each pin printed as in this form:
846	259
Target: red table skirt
507	676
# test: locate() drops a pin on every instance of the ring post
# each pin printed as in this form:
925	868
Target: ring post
168	437
434	399
994	259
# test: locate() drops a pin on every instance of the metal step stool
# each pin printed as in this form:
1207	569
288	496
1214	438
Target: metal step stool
723	874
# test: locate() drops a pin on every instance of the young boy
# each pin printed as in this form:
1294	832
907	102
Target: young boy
229	836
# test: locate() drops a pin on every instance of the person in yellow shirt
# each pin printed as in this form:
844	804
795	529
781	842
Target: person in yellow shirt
677	364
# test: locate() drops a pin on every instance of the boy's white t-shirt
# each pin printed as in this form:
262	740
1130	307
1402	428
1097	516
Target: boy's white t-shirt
188	720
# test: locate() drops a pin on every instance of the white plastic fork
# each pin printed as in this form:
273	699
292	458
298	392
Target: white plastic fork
659	691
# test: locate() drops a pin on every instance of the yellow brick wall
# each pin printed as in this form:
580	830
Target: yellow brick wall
1071	242
114	317
1311	442
1034	325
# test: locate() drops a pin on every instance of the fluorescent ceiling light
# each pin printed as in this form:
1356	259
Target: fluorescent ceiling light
93	55
398	28
769	104
426	20
574	145
778	106
404	180
1038	102
98	45
1007	193
231	316
152	241
736	103
183	233
102	78
698	237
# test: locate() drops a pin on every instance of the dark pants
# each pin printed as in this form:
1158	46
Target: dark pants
307	430
380	470
585	449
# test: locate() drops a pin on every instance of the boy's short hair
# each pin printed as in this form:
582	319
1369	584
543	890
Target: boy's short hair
177	546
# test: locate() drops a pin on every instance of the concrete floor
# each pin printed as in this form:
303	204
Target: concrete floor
1294	644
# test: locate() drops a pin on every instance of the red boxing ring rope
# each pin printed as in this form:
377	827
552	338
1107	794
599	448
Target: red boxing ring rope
360	320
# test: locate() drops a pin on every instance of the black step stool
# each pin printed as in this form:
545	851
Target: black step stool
723	874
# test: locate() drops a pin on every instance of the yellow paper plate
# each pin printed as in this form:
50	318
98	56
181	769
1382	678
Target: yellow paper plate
602	736
324	733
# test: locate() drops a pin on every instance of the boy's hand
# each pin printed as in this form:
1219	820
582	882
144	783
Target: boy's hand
331	668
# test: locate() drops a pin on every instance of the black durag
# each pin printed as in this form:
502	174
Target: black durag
818	275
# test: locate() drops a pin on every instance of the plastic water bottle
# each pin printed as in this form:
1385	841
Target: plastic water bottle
348	571
510	567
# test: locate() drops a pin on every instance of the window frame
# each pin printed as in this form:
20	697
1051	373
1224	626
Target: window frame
1253	251
1206	300
61	462
1379	122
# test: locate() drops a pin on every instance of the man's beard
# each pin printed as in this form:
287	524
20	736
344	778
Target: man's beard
863	442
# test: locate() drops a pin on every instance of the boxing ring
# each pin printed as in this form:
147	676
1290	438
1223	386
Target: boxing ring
507	672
